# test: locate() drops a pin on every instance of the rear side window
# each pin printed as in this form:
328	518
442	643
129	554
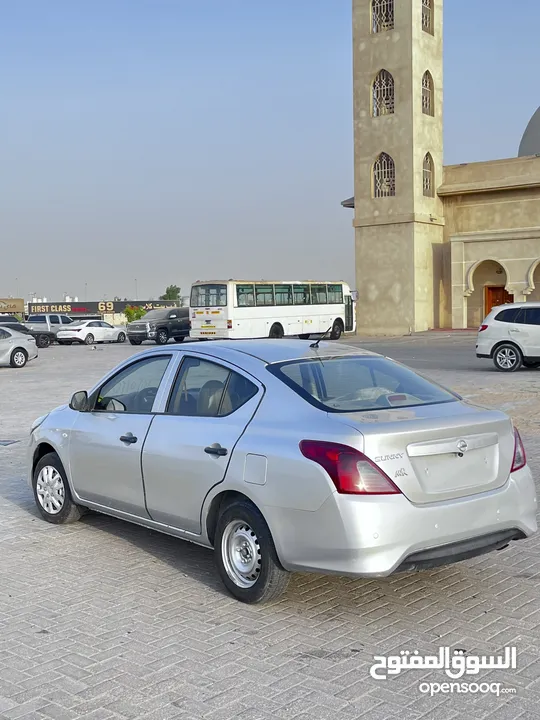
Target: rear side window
4	334
508	316
358	384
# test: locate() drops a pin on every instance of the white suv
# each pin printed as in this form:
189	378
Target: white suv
510	336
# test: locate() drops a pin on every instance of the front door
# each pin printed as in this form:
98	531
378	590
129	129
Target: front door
495	296
106	443
188	448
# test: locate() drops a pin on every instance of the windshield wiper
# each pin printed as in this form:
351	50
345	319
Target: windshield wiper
323	337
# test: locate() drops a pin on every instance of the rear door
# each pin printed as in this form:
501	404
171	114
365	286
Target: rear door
188	448
528	331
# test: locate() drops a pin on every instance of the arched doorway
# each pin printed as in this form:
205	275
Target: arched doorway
535	295
489	281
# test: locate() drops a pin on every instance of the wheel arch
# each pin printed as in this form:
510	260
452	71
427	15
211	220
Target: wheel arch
507	342
218	503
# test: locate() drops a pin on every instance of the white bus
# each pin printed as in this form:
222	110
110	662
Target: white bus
270	308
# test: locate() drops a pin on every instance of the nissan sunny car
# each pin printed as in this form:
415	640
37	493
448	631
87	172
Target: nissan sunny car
287	456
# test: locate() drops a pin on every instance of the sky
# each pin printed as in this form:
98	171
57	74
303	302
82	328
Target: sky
150	142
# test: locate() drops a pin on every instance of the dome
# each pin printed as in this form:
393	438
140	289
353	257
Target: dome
530	142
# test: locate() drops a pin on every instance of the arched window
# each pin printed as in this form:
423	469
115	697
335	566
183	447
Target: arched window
429	176
427	16
384	177
428	94
383	94
382	15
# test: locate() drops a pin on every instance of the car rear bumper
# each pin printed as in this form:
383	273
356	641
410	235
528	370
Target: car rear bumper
380	535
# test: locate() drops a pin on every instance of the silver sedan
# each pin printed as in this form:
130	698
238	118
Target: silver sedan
285	456
16	348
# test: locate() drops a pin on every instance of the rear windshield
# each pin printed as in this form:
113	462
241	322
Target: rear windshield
208	296
359	383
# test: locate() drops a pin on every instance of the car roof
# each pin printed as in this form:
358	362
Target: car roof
273	350
531	303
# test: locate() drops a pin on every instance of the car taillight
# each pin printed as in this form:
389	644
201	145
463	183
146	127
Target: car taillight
350	470
520	459
229	324
482	328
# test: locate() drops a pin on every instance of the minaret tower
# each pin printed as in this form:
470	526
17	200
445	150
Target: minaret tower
398	162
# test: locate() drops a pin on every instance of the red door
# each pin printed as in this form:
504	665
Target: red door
495	296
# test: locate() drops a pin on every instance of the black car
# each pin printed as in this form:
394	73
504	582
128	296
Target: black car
43	337
160	326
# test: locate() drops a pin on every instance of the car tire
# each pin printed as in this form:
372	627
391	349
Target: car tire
337	330
162	337
276	331
179	339
51	489
19	358
258	576
43	341
507	358
134	341
89	339
121	338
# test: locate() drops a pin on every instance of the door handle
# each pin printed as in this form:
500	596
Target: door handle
129	438
216	450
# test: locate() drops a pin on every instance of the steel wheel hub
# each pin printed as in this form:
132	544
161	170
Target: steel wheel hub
50	490
507	358
241	554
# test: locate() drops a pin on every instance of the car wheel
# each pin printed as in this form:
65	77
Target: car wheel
304	336
134	341
51	492
43	341
19	358
179	339
337	330
245	555
507	358
162	337
276	331
89	339
121	337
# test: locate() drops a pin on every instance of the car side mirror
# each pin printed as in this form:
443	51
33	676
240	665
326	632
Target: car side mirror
173	317
79	401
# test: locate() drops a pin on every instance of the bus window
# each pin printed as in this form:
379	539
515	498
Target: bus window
244	296
301	295
335	294
208	296
264	294
318	294
283	294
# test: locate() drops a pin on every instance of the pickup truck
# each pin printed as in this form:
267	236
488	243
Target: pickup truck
43	338
159	326
51	323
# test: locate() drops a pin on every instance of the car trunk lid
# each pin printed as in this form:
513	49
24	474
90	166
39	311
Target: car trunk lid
438	452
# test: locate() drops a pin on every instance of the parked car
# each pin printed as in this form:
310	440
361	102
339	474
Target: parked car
510	336
49	322
8	319
88	332
16	348
160	326
287	456
43	338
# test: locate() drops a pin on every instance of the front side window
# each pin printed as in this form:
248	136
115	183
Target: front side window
206	389
264	294
532	316
283	294
65	320
318	294
208	296
106	325
358	384
335	294
245	295
133	389
301	295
